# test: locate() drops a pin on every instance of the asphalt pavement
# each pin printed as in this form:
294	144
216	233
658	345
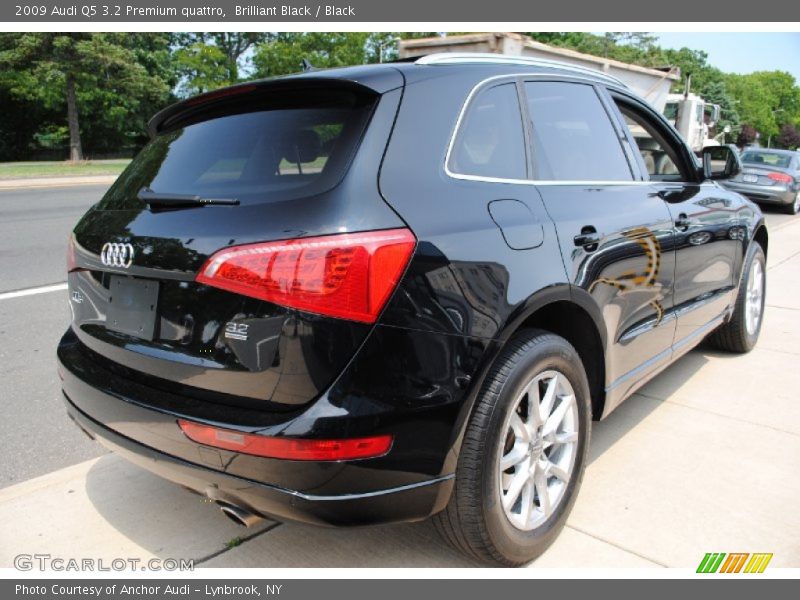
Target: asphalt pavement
35	435
34	225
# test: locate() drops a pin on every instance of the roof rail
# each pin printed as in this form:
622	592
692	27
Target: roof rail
452	58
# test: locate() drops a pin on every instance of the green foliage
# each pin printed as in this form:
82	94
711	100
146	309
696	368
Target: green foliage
716	92
206	61
203	67
119	79
766	100
286	51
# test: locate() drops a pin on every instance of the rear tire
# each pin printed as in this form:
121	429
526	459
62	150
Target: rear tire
741	332
533	417
794	207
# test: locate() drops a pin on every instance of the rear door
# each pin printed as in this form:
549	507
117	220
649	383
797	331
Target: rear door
705	218
615	233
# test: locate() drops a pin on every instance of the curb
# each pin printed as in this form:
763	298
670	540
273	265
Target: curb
45	182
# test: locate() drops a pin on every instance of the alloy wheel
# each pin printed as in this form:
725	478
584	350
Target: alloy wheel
754	303
539	448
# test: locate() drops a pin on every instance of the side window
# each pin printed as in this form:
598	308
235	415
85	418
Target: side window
572	135
661	159
490	141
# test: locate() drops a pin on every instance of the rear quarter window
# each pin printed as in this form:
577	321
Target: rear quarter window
572	135
291	146
490	141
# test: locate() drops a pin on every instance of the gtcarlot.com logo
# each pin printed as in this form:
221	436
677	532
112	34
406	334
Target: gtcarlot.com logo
734	562
43	562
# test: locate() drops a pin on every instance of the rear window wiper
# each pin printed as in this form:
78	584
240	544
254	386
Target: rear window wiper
159	199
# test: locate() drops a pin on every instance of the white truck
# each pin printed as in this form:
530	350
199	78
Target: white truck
694	118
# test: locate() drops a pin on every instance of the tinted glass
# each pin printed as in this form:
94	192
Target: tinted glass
768	159
300	146
490	142
659	159
573	138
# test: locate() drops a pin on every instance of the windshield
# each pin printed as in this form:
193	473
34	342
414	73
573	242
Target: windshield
301	146
769	159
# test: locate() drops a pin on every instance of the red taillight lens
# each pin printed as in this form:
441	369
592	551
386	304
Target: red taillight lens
349	276
780	177
286	448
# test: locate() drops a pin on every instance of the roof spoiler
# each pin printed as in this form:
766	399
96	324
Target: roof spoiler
374	80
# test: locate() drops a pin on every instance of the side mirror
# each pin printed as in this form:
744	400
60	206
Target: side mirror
721	162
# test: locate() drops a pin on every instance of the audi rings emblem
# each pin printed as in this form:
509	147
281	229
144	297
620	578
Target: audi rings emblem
116	255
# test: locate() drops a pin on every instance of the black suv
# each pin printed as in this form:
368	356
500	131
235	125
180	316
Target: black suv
398	291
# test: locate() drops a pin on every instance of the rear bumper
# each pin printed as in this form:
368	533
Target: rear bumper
405	503
762	193
375	395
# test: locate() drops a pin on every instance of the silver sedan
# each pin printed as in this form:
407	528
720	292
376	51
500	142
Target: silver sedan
769	176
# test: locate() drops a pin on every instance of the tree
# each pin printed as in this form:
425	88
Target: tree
69	70
765	98
747	135
210	60
717	93
286	51
789	137
202	67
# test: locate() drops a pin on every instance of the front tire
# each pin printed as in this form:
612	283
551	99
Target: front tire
523	454
741	332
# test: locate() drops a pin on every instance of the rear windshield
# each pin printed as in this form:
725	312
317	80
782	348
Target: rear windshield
770	159
295	145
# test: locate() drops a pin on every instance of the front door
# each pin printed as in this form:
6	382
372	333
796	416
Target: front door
615	233
705	220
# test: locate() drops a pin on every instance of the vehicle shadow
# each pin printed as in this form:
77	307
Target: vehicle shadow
634	410
164	520
168	521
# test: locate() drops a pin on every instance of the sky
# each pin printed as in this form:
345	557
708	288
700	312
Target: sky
742	52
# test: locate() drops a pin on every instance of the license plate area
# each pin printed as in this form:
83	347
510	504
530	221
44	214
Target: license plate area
132	306
750	178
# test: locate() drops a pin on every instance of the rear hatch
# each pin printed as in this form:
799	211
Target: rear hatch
289	160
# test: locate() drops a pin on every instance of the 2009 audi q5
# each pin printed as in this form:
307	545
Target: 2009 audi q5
398	291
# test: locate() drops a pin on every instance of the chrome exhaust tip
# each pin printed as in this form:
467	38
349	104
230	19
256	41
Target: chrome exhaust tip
238	515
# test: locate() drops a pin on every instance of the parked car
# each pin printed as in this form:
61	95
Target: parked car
400	291
769	176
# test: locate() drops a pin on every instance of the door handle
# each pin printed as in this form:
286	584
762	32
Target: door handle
682	223
588	238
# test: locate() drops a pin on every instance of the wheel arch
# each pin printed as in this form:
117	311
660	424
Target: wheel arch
569	312
566	311
761	236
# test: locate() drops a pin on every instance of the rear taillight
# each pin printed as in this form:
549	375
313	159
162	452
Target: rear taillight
349	276
780	177
286	448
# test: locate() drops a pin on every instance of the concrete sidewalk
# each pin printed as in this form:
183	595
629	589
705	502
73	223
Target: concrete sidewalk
42	182
704	459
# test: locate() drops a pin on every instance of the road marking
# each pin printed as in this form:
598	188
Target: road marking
44	289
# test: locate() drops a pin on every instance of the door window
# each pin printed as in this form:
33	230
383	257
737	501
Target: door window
661	160
572	136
